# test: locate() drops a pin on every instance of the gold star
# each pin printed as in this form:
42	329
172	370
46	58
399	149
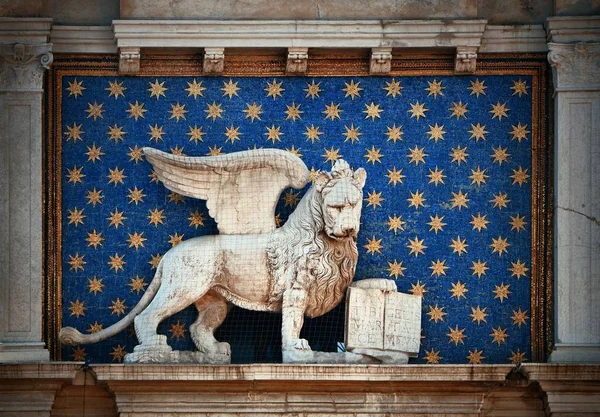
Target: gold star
313	89
395	176
476	357
374	199
517	222
479	268
518	269
500	200
459	155
374	246
520	176
196	219
352	89
76	216
116	218
394	133
232	133
293	112
501	292
478	314
77	308
115	133
499	111
477	132
459	200
312	133
94	153
177	150
175	198
75	88
519	132
230	89
458	290
177	111
79	354
137	284
500	245
500	155
332	111
290	198
436	223
136	240
459	246
136	110
436	177
273	133
516	358
75	175
331	155
195	89
253	111
95	110
435	88
94	197
157	89
417	155
436	313
436	132
155	260
118	353
76	262
95	285
94	239
175	239
373	111
214	151
74	132
416	199
153	177
519	87
418	289
156	133
417	110
116	89
116	176
95	328
136	196
294	151
456	336
438	268
177	330
214	111
393	88
118	307
116	262
395	269
274	89
478	176
498	335
416	246
519	317
395	223
196	134
477	87
373	155
136	154
352	134
432	357
458	110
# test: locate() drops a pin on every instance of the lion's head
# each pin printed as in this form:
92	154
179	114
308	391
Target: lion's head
341	191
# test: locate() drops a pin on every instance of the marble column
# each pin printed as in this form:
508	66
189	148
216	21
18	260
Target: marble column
24	55
574	45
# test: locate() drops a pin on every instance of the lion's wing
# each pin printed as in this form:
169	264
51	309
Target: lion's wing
241	189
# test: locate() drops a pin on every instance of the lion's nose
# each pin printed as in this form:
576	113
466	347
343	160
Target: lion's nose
350	231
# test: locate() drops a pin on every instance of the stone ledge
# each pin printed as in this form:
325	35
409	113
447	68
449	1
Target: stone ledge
83	39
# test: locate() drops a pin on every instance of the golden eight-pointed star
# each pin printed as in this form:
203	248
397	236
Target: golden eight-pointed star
438	268
94	153
501	292
374	199
417	110
274	89
293	112
396	269
436	313
136	110
373	111
95	285
332	111
313	89
417	289
195	89
459	246
95	110
373	155
94	239
416	246
436	224
477	87
137	284
394	133
519	317
458	290
352	134
478	314
395	223
500	245
118	307
479	268
393	88
116	89
75	88
157	89
432	356
230	88
498	335
395	176
456	336
475	357
436	176
373	246
519	87
352	89
518	269
77	308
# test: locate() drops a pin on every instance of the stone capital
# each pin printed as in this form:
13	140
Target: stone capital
22	66
576	66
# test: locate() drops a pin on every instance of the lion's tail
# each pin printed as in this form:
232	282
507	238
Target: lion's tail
71	336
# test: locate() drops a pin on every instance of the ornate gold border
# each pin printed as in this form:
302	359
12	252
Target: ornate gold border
326	65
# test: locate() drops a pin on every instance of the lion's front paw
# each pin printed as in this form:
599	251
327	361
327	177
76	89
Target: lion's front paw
298	344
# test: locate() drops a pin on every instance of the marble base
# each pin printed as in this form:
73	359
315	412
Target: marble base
160	354
575	354
23	352
326	357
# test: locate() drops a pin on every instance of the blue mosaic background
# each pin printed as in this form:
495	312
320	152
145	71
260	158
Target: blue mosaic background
447	208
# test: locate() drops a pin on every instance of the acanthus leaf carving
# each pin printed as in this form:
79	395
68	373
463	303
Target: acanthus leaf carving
22	66
575	66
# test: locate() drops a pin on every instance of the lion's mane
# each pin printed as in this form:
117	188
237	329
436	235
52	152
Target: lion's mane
302	243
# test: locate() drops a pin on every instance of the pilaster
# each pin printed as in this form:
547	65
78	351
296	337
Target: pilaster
574	45
24	55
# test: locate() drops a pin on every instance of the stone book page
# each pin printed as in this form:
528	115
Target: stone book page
402	323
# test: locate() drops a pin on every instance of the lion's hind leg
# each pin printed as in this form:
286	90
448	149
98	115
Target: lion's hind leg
212	310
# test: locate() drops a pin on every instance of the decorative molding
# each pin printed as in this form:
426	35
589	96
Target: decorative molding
23	66
214	61
381	61
513	38
27	30
83	40
129	60
297	61
575	66
465	60
569	29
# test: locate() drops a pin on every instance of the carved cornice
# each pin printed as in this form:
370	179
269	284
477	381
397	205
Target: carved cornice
575	66
22	66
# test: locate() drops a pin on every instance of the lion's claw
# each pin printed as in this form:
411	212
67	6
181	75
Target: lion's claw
298	344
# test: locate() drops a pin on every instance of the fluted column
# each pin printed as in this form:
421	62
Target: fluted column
574	45
24	56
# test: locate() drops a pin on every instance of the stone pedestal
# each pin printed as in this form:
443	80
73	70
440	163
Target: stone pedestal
24	55
574	56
